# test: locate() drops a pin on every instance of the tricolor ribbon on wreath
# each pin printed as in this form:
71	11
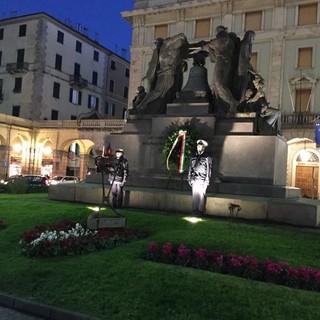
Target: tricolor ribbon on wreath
181	135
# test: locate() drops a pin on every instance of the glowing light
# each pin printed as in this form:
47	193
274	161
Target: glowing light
193	219
305	155
17	147
96	209
47	150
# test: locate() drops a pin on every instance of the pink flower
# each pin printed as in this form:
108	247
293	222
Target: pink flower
167	248
201	254
183	251
153	246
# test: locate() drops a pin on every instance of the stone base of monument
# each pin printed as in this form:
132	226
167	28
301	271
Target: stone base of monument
258	190
99	221
295	211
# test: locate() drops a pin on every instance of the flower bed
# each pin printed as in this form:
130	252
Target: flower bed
247	267
70	238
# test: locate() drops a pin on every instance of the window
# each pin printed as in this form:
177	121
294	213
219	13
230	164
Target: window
78	46
54	114
75	96
56	90
73	117
22	30
60	37
305	58
202	28
0	58
17	85
125	92
111	109
302	100
20	56
253	21
93	102
16	111
127	74
95	55
307	14
161	31
113	65
111	86
254	60
95	78
76	71
58	63
1	33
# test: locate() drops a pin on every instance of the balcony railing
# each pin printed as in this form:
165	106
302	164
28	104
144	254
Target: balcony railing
77	81
18	67
294	120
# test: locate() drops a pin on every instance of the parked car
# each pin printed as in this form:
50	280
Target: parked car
63	179
31	180
10	179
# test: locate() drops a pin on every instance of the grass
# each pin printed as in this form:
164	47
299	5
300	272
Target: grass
118	284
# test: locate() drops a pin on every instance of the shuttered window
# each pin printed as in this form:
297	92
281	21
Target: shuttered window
305	57
254	60
307	14
202	28
302	100
253	21
161	31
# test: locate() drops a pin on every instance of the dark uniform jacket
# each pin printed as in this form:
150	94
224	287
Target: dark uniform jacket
121	170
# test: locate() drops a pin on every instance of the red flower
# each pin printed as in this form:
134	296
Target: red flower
167	248
153	246
183	251
201	254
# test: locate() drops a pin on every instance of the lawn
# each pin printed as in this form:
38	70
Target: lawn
117	284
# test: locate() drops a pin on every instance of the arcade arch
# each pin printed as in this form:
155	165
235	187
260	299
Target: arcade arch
306	172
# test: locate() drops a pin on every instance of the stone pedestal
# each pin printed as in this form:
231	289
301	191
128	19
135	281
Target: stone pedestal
97	221
244	162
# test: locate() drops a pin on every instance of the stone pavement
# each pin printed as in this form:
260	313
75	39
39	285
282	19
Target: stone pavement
15	308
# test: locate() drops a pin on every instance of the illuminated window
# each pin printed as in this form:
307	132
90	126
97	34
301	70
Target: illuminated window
302	100
161	31
253	21
75	96
202	28
254	60
307	14
305	57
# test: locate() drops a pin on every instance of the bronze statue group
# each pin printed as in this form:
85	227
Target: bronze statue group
236	86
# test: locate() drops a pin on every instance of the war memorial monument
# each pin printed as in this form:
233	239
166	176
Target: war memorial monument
232	114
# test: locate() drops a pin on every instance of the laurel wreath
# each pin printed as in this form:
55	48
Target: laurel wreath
190	145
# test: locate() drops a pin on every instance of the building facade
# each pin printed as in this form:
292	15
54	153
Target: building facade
50	71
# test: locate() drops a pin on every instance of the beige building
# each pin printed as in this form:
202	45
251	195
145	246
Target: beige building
50	71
